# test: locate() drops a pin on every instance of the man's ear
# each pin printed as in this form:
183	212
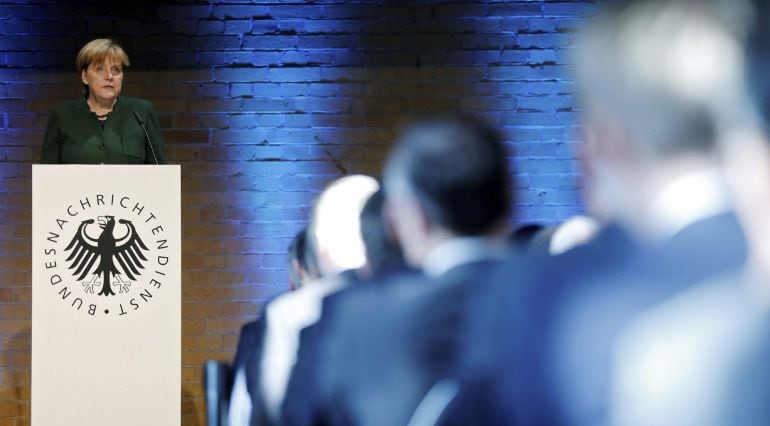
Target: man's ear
405	215
390	231
605	140
407	218
606	159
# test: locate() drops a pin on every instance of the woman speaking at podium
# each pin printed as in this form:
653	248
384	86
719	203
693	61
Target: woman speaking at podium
103	127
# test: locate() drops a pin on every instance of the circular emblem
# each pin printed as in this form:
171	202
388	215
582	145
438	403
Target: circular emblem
106	254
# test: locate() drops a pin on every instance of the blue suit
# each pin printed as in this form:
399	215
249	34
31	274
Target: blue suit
555	340
302	398
701	357
386	346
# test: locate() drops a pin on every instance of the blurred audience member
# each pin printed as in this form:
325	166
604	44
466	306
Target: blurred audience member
335	236
448	194
650	74
447	198
301	267
249	347
300	261
383	254
385	263
701	356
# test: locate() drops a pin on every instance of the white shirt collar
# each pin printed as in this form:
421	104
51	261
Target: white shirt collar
460	251
688	199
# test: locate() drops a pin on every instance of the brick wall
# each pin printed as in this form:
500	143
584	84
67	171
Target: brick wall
262	104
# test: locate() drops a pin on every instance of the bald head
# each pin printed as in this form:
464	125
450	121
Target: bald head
334	228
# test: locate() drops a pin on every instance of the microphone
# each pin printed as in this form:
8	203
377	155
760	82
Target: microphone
149	142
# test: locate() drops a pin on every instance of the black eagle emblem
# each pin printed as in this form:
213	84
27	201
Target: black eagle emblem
126	251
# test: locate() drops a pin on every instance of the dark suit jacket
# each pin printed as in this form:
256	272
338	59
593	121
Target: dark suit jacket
709	348
304	396
300	398
556	338
386	346
249	344
249	356
296	391
74	136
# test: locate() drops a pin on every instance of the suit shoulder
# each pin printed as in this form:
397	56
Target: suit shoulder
251	326
68	106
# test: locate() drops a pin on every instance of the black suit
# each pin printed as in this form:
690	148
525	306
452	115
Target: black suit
386	346
249	357
301	399
707	349
249	342
556	338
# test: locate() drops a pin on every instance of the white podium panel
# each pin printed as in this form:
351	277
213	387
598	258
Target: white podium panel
106	295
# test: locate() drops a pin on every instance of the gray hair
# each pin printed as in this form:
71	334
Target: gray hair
666	68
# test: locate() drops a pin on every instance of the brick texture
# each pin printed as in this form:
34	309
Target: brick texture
263	104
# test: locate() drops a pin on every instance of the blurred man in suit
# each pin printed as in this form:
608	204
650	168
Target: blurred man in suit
302	268
448	192
701	356
385	264
448	198
651	76
334	237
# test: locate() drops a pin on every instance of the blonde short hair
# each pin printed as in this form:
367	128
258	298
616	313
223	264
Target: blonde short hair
96	51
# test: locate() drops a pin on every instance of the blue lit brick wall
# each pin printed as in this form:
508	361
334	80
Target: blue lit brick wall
263	103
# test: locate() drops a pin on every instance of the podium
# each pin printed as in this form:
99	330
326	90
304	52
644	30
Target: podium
106	295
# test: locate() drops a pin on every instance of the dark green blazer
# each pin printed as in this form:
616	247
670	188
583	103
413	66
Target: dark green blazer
74	135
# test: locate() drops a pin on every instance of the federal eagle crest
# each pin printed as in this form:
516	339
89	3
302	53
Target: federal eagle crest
115	256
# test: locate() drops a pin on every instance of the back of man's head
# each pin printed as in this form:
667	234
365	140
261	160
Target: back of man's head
661	68
455	168
382	252
334	231
300	261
